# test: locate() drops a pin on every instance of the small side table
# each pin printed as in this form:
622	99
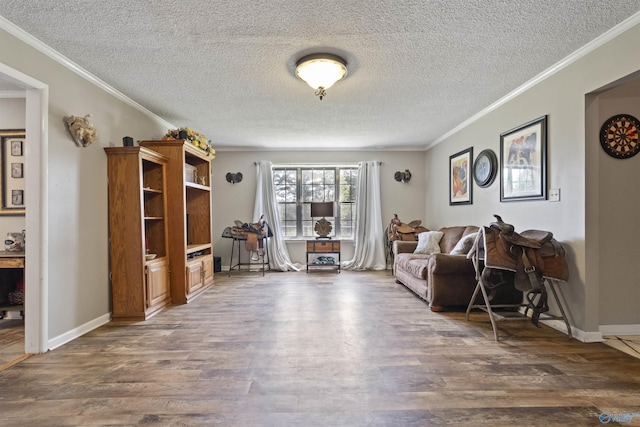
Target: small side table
323	247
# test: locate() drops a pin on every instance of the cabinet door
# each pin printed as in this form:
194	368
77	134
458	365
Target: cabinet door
194	276
157	283
207	266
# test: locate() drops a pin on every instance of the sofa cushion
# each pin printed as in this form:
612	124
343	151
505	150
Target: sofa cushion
428	243
464	244
414	264
452	235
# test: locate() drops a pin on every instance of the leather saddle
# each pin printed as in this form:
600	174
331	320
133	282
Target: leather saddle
399	230
252	233
530	257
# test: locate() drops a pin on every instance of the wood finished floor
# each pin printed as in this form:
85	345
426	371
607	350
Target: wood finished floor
318	349
11	340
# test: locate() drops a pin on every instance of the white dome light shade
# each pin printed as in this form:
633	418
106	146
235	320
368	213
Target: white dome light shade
321	71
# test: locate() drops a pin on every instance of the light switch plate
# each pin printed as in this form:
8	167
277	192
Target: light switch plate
554	195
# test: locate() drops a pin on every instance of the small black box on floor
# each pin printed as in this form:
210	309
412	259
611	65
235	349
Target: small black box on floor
217	264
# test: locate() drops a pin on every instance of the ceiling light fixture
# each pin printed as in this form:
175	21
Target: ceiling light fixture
321	71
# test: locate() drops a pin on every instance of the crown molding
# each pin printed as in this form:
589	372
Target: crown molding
606	37
27	38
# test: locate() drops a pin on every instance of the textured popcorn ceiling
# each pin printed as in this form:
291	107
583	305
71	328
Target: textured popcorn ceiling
417	69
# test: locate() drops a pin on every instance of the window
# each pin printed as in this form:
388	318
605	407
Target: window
296	187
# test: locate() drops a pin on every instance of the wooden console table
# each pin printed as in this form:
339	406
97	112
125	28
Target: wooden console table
12	260
323	247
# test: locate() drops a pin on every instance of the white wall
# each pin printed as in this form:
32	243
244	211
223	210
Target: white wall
235	201
77	186
562	98
12	116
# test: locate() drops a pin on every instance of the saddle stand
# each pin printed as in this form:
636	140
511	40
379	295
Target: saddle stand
255	237
532	261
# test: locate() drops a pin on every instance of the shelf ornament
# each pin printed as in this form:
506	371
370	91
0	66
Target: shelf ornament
196	138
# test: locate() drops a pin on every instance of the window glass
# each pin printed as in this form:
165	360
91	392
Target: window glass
297	187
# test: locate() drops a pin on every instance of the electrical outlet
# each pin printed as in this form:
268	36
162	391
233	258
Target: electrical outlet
554	195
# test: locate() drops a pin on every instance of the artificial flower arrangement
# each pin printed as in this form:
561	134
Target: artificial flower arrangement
196	138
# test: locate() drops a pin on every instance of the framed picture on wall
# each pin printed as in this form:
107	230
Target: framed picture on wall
16	147
12	182
523	156
17	197
16	170
460	185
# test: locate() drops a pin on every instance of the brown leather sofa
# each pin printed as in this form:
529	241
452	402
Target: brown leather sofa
443	280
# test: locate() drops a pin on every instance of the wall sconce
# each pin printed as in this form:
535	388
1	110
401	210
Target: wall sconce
403	176
234	178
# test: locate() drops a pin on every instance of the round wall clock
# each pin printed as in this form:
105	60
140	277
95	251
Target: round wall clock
619	136
485	168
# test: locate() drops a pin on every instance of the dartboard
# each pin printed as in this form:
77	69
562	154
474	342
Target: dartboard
619	136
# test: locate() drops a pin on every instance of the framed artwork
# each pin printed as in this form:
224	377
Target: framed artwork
523	156
460	188
16	170
16	147
12	182
17	197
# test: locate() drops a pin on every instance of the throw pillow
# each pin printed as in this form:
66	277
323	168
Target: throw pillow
429	242
464	245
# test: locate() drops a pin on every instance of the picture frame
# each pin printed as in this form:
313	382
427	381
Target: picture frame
523	160
12	179
17	197
16	147
17	170
460	177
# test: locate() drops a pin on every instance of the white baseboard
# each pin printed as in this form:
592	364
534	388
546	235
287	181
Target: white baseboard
79	331
580	335
620	329
589	337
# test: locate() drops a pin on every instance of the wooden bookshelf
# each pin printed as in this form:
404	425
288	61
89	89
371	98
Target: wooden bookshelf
137	225
189	209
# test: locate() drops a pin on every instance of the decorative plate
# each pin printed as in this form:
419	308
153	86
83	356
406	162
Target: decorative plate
619	136
485	168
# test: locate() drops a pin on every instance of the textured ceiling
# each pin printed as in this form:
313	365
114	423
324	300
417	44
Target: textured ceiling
417	69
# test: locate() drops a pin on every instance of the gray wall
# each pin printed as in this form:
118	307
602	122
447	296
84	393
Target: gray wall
235	201
77	197
619	228
576	219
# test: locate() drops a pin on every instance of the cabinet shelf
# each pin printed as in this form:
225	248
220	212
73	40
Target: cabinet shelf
197	186
198	247
152	190
153	218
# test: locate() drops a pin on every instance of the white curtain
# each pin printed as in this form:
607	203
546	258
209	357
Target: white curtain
369	235
266	205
